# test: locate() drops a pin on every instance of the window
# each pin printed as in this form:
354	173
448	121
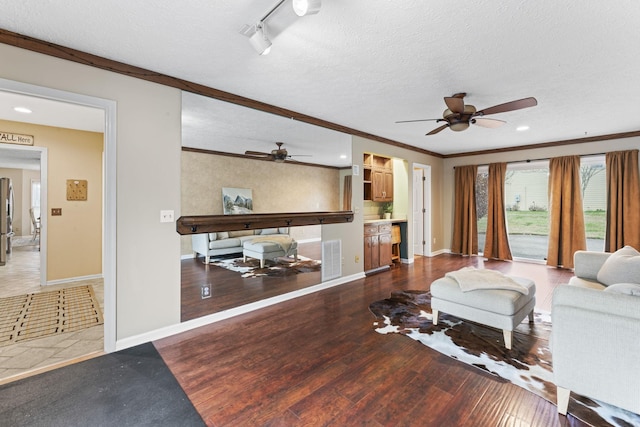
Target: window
526	193
594	200
35	199
526	203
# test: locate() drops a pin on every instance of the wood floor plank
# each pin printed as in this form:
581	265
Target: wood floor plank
317	360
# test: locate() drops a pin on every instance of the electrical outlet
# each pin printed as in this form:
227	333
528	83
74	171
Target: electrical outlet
166	216
56	211
357	259
205	291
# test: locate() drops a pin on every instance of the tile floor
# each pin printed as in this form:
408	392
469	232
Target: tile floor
21	275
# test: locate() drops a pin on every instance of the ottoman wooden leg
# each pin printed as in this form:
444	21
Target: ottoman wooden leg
563	400
531	317
507	338
262	263
435	316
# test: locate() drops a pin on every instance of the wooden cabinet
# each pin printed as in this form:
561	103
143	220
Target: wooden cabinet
377	246
382	186
378	178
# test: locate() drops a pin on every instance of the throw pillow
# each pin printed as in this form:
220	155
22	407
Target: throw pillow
223	235
624	288
267	231
623	266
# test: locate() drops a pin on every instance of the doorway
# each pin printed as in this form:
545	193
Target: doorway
421	210
107	110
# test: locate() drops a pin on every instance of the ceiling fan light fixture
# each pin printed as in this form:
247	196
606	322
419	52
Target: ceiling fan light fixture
259	40
306	7
459	126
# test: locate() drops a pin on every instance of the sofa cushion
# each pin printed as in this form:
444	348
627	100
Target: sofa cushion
584	283
623	266
625	288
224	243
241	233
267	231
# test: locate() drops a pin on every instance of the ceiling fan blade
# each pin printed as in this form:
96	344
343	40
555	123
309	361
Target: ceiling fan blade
438	129
419	120
487	123
508	106
256	153
454	103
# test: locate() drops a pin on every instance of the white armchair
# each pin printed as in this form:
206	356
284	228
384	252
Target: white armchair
596	333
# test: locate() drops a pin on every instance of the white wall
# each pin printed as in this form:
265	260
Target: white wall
148	180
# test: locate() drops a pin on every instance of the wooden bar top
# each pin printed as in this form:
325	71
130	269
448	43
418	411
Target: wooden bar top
214	223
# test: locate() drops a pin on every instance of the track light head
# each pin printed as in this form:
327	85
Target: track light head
306	7
260	41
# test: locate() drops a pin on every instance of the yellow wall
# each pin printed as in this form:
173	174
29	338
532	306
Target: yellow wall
74	240
276	187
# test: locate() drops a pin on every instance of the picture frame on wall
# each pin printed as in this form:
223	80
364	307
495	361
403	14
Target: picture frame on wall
237	201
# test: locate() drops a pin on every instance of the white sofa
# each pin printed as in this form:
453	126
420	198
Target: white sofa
596	330
229	242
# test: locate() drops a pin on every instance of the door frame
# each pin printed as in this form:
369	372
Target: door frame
109	193
425	172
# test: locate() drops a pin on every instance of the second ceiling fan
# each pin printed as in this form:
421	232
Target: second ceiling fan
459	116
277	155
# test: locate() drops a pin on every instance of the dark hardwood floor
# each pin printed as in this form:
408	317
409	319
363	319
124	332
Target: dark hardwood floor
316	360
229	289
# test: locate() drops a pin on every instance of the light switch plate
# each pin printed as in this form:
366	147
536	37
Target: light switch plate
166	216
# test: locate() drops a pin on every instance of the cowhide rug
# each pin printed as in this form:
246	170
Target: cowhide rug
283	267
527	364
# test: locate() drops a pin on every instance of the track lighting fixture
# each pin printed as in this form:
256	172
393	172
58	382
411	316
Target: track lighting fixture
259	40
257	33
306	7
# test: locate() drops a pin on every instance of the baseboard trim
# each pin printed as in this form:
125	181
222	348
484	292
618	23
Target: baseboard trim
167	331
74	279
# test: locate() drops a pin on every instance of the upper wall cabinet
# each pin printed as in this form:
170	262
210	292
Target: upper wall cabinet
378	178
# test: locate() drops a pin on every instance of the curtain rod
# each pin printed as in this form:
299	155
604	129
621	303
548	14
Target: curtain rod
539	160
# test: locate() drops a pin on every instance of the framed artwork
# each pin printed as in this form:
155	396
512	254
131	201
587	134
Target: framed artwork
237	201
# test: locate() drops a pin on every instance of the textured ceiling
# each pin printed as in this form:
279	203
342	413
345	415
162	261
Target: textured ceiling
365	64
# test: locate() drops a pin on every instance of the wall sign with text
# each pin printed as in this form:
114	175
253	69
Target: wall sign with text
15	138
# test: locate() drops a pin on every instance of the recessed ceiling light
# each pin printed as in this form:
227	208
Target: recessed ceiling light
522	128
343	156
22	110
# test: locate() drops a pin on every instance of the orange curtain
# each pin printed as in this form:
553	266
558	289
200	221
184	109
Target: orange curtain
497	241
465	231
566	228
623	201
346	195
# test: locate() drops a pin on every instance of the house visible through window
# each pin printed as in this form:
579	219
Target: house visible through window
526	203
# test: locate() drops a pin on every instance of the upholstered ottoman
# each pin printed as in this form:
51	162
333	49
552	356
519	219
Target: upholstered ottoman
264	249
499	308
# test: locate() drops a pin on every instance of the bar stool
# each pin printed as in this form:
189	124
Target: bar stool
395	243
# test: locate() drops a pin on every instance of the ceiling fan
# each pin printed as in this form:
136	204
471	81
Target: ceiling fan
277	155
458	115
